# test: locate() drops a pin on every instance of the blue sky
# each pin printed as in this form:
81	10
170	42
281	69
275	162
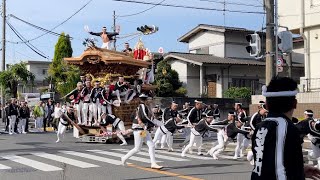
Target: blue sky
172	22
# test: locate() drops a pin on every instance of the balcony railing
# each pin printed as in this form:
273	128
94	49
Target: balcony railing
307	85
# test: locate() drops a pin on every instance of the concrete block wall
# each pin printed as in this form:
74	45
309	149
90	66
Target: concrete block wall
298	113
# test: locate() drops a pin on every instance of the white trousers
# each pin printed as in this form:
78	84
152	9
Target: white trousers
242	144
122	130
39	122
132	95
125	94
105	45
237	150
87	107
106	109
12	122
315	151
193	140
96	111
245	144
22	125
159	136
221	143
61	131
79	112
138	140
250	157
186	134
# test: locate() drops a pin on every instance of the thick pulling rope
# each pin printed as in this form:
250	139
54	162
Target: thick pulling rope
117	132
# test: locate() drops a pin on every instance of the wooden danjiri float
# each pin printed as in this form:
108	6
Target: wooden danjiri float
107	66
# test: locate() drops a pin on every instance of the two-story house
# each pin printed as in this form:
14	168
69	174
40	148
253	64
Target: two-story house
217	60
303	17
40	70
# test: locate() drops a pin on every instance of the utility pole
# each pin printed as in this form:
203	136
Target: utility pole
270	43
3	35
3	50
114	29
276	26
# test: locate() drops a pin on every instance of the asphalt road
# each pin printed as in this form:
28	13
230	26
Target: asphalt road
36	156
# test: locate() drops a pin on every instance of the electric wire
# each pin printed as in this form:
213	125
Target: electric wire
33	48
75	13
232	3
37	27
139	35
191	7
127	15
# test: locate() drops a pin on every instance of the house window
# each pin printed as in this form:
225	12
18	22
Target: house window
204	50
44	71
252	84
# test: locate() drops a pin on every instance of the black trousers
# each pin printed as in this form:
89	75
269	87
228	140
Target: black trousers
45	124
27	126
16	125
7	125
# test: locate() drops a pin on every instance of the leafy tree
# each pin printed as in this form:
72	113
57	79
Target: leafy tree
64	76
167	81
15	74
238	92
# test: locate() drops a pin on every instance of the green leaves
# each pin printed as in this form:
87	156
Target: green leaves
16	73
63	75
238	92
167	81
58	67
62	49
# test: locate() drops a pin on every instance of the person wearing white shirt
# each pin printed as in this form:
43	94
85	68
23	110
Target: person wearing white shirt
56	116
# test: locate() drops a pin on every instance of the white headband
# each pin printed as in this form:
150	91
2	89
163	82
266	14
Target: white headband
308	113
278	94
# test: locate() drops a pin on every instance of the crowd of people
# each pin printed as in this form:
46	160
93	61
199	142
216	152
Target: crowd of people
18	116
275	136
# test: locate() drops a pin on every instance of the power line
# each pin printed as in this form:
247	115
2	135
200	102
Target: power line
58	24
142	11
129	40
262	3
23	54
37	27
192	7
232	3
33	48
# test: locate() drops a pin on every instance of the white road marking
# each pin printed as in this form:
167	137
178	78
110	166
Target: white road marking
32	163
93	157
65	160
4	167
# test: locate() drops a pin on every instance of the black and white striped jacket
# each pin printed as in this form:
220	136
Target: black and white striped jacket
194	116
256	118
277	150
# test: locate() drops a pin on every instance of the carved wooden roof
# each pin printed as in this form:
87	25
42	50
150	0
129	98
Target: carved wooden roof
98	62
